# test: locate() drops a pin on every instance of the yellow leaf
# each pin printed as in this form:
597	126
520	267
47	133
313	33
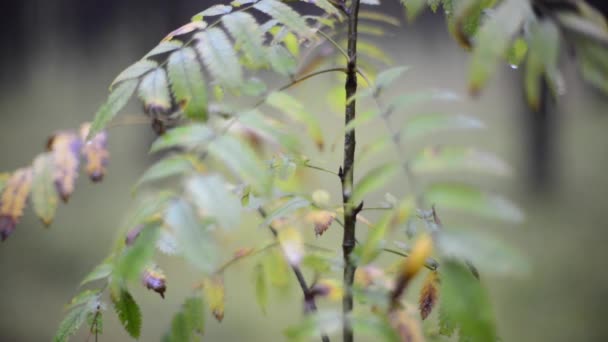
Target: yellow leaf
415	261
214	291
429	294
292	244
13	200
95	152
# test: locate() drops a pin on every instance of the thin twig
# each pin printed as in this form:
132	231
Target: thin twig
309	299
238	258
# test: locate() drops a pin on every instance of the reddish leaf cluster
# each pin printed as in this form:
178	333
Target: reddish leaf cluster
13	200
65	148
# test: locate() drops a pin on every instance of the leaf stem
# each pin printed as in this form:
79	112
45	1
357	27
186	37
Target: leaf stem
347	171
309	299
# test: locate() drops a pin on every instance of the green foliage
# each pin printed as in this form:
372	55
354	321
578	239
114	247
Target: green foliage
232	159
188	322
128	312
466	304
44	196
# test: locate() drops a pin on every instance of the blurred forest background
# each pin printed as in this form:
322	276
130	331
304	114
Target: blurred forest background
59	56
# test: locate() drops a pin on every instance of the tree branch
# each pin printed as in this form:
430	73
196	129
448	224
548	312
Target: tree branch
347	171
309	299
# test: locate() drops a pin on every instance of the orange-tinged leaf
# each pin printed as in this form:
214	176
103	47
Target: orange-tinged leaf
13	200
407	327
154	279
322	219
214	291
420	252
429	294
95	152
66	148
292	244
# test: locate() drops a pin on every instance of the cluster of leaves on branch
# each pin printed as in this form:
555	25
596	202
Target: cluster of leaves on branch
52	176
245	158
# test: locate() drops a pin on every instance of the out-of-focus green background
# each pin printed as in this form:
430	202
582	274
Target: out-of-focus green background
60	81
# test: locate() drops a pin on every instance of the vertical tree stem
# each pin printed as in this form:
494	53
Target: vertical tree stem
347	172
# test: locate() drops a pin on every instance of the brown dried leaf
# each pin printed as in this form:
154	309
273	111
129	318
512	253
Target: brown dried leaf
407	327
328	288
154	279
66	147
429	294
214	291
13	200
95	153
322	219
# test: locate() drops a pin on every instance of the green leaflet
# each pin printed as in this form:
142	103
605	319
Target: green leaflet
277	269
213	11
130	264
370	248
220	57
193	136
187	83
165	47
241	160
296	111
387	77
71	323
372	181
211	196
458	196
85	297
517	52
100	271
314	324
488	254
465	304
247	33
261	286
435	159
43	194
427	124
285	209
136	70
281	60
494	39
413	7
154	92
188	322
374	326
267	128
118	98
593	63
128	313
327	7
285	15
372	51
4	177
175	165
543	54
379	17
193	237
